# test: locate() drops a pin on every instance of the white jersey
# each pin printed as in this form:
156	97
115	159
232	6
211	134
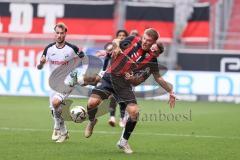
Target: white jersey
61	56
57	57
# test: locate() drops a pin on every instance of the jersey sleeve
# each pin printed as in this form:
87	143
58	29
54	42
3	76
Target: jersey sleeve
106	62
151	68
80	54
76	50
157	67
45	51
154	66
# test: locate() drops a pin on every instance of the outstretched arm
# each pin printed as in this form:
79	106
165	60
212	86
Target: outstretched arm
43	59
164	84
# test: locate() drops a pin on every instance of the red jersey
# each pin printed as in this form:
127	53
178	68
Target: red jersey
131	59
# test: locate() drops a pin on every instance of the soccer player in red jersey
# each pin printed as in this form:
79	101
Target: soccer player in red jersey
137	53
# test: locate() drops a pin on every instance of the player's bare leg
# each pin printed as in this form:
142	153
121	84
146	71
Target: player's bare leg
93	102
132	110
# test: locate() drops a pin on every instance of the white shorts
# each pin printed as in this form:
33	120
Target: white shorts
55	95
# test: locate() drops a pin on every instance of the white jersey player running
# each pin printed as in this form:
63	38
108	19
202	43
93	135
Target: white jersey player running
57	54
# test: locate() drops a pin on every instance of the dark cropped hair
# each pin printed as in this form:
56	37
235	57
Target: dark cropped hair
160	46
122	30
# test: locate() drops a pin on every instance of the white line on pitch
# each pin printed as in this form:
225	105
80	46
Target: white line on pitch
136	133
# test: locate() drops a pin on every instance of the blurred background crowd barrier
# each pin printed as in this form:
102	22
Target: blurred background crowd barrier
201	37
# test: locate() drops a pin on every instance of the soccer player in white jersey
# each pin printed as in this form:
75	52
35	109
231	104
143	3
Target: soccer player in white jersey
57	54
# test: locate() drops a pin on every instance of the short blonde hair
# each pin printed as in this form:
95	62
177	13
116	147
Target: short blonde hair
152	33
61	25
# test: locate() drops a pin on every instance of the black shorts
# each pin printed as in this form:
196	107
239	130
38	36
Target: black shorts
116	85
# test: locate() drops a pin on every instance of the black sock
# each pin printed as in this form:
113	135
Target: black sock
122	109
130	125
91	113
112	106
52	113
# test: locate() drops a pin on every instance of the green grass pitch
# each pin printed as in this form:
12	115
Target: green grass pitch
192	131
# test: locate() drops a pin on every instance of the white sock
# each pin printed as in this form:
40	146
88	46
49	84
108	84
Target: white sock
58	118
62	125
63	128
123	141
56	123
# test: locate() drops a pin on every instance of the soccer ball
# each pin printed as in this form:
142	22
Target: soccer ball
78	114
